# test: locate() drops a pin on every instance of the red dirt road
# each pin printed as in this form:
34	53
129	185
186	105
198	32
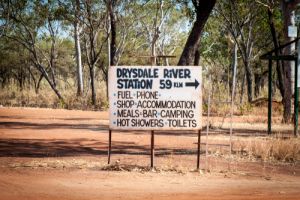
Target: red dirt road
61	154
82	184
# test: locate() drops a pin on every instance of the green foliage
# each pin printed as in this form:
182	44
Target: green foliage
21	42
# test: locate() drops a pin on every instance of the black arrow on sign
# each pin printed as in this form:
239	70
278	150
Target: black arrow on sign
192	84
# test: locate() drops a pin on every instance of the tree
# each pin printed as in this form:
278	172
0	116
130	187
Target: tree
286	68
93	23
71	12
283	68
27	19
77	30
14	64
246	25
4	15
202	10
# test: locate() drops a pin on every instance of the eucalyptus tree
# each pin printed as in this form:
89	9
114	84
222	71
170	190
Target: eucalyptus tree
148	28
150	35
94	38
29	22
247	24
14	64
77	31
216	49
71	13
4	15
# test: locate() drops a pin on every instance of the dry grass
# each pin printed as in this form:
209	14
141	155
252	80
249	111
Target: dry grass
92	165
12	97
269	149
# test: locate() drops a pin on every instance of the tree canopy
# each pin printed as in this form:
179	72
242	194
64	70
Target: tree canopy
68	46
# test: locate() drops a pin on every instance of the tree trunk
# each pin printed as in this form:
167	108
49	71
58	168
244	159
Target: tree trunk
20	78
257	79
286	100
242	89
153	54
197	58
78	60
112	46
248	73
203	10
52	54
92	76
52	85
38	84
113	28
234	63
107	92
78	52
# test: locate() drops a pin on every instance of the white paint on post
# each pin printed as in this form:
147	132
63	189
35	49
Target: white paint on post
155	98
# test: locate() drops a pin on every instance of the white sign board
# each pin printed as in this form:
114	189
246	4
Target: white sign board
155	98
292	31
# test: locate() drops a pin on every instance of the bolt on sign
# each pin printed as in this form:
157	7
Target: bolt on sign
155	97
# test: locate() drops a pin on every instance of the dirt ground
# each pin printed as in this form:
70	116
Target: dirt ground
62	154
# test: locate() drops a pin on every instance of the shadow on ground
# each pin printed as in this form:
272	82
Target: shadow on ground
84	146
36	148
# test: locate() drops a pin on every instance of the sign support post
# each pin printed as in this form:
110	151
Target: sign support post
152	149
199	149
109	146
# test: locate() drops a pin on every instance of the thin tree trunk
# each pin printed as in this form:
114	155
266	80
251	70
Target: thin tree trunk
92	76
153	54
33	78
78	51
78	60
242	89
234	63
106	81
52	85
52	54
38	84
249	80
